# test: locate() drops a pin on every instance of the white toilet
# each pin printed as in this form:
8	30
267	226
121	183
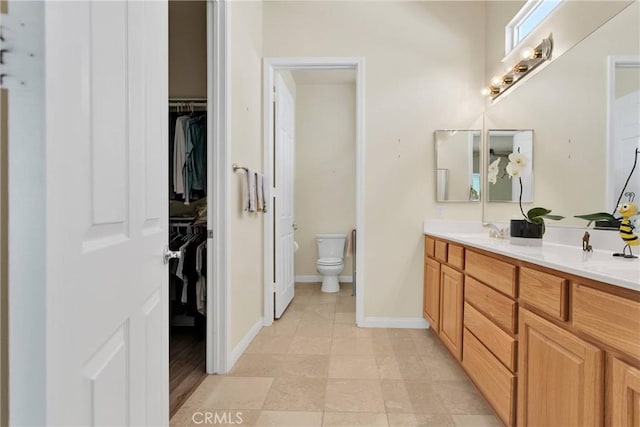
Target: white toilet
331	249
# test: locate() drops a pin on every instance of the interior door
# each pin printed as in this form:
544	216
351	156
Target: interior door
626	140
285	159
106	184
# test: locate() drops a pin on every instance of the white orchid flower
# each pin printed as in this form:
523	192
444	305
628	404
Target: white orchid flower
519	159
493	171
493	176
514	170
494	165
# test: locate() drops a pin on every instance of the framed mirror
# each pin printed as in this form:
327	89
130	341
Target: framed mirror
458	154
505	147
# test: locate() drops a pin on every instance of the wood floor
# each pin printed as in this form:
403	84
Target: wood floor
187	358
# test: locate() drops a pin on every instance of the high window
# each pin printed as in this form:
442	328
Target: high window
526	20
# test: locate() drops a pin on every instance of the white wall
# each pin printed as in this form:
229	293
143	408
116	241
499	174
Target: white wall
422	74
325	196
454	153
188	49
566	106
4	256
627	81
27	212
245	140
497	15
4	244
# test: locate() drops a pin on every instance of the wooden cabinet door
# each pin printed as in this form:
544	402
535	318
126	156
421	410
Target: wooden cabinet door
451	300
431	295
560	378
624	395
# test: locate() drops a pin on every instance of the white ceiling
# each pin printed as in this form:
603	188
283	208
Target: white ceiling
303	77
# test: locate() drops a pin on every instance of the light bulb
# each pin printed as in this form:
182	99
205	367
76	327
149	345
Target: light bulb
521	68
496	80
527	53
486	91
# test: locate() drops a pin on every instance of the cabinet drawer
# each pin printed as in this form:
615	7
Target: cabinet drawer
501	344
429	246
456	256
497	384
500	309
493	272
545	291
609	318
441	251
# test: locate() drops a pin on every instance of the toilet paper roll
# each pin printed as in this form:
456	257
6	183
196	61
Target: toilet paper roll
296	246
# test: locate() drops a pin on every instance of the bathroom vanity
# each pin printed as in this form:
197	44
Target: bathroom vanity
550	336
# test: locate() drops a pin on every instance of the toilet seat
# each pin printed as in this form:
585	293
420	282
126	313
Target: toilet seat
330	261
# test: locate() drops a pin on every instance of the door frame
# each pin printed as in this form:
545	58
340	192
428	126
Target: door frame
218	345
270	66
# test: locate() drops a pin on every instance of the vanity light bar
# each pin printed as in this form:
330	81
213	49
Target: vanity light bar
531	58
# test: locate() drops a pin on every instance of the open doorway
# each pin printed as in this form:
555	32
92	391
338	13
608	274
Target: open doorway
342	78
324	176
188	205
197	186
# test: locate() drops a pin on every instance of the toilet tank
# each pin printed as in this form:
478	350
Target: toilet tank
331	245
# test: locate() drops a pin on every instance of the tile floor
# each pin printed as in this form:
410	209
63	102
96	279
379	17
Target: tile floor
314	367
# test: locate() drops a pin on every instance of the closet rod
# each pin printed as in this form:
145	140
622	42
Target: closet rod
187	99
187	104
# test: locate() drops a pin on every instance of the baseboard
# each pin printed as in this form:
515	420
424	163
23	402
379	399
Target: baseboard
243	344
318	279
395	322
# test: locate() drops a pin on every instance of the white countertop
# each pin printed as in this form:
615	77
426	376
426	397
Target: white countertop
598	265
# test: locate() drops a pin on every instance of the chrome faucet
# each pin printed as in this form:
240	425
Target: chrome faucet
495	232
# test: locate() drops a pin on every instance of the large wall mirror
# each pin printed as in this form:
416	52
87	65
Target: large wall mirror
501	186
566	103
458	154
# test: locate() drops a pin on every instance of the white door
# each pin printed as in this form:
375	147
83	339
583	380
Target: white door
284	233
105	86
626	140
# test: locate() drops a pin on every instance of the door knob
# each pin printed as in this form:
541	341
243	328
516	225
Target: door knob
169	254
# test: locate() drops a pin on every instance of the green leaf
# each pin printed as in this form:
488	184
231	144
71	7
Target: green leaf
537	212
598	216
537	220
553	217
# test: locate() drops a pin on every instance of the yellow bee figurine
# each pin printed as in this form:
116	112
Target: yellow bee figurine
627	210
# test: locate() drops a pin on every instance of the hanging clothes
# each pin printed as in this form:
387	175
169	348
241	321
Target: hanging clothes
188	156
179	151
187	283
195	167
